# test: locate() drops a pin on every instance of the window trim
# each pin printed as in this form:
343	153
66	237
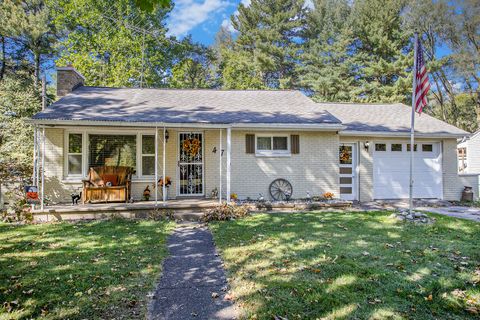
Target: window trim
86	146
141	155
68	153
272	153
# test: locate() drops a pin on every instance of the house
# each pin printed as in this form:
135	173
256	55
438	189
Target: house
468	150
240	141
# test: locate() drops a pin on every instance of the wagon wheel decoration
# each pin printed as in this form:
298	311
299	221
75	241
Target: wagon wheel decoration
280	189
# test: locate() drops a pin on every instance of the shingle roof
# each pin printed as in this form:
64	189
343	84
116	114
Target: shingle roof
187	106
391	118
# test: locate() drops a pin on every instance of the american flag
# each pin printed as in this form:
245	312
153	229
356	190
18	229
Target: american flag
422	85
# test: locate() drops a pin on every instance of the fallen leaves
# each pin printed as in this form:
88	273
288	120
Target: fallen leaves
374	301
10	305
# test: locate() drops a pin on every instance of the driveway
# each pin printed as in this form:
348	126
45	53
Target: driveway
455	211
435	206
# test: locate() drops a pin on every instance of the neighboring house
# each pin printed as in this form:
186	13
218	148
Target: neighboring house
468	150
247	139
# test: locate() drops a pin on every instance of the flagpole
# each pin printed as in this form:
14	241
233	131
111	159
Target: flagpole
412	126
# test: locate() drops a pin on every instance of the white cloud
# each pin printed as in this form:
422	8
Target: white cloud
246	3
227	23
187	14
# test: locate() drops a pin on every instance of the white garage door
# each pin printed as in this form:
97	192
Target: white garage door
391	162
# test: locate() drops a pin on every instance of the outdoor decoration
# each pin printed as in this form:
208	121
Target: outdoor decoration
191	146
234	197
75	197
328	196
281	190
167	182
214	193
344	154
31	193
146	193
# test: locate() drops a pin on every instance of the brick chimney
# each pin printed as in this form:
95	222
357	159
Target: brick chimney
68	79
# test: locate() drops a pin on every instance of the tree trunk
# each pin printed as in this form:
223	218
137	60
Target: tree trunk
2	69
36	57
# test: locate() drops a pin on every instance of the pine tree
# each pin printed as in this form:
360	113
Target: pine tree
383	56
28	27
325	68
268	32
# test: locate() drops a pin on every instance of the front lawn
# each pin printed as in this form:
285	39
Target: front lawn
94	270
352	266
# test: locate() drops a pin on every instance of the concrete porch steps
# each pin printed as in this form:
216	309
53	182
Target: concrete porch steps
185	209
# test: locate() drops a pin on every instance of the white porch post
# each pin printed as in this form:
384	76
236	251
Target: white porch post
155	185
38	159
34	175
229	169
164	195
42	200
220	168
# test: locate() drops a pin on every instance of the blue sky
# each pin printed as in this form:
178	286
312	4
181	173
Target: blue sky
201	18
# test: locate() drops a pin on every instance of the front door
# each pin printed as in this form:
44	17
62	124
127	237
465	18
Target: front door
347	163
190	164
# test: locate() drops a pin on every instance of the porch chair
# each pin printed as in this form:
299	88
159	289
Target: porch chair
107	184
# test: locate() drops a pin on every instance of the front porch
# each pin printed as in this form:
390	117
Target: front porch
184	209
195	161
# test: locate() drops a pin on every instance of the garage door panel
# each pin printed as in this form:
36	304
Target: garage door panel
391	173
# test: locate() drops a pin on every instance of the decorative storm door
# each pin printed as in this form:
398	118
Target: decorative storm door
347	161
190	164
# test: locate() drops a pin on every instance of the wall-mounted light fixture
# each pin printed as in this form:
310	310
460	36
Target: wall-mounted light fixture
167	135
366	145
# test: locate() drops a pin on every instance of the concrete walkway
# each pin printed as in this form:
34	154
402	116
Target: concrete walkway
192	277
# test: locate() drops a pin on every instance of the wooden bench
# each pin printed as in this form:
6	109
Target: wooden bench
107	184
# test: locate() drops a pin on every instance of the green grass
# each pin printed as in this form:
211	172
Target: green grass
351	266
93	270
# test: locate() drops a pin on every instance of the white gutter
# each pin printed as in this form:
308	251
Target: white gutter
386	134
290	126
237	126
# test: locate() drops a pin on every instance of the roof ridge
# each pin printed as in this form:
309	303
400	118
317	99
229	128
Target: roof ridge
197	89
363	103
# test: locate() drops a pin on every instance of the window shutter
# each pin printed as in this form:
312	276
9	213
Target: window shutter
295	143
250	143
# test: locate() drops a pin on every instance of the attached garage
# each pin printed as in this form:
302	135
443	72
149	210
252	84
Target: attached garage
391	167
